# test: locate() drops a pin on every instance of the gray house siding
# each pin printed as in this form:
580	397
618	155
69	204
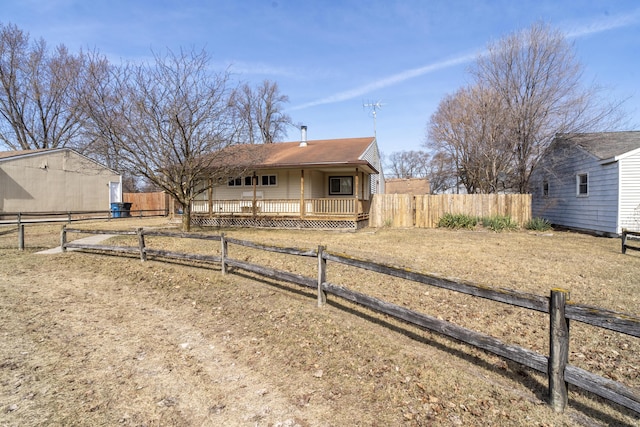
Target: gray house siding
376	181
596	211
630	192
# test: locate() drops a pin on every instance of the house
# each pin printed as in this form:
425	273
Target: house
301	184
590	182
55	180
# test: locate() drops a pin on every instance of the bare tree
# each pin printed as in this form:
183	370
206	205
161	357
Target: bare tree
38	106
437	169
538	79
441	173
527	89
468	130
260	112
407	164
168	121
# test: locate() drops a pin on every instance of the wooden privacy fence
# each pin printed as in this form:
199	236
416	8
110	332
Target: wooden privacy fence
148	204
424	211
555	365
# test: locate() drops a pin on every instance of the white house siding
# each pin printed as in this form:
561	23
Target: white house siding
54	181
314	184
596	212
630	193
288	186
281	190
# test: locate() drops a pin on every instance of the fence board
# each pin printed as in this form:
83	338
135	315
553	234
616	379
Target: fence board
607	319
604	387
424	211
182	255
105	248
147	204
507	296
518	354
395	210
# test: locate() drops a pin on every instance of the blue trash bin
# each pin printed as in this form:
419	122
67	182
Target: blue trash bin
116	210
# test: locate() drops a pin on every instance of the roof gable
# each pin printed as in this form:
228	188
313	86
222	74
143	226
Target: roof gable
21	153
16	155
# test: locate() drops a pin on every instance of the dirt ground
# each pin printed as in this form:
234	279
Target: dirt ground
92	339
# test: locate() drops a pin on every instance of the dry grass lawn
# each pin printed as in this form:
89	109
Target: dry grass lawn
92	339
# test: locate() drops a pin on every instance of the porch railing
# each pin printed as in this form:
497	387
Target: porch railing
266	207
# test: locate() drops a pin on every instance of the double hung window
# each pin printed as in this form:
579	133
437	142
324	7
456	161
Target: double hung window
341	185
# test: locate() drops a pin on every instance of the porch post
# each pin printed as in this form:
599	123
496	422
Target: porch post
210	197
254	181
302	193
356	185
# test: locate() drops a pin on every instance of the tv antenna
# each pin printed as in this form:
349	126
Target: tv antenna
374	107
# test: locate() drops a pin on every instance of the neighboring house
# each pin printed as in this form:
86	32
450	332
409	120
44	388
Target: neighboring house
407	186
303	184
590	182
55	180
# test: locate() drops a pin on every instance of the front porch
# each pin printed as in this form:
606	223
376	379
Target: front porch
322	213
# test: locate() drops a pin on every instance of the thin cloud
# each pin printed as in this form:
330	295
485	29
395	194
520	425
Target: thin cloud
611	23
607	24
258	68
387	81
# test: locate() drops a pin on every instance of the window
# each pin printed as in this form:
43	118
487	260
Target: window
545	188
341	185
268	180
247	181
235	182
582	183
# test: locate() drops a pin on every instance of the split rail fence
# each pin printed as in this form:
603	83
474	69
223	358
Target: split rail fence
628	236
20	219
560	310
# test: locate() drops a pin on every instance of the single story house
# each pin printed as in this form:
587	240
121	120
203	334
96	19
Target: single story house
55	180
301	184
590	182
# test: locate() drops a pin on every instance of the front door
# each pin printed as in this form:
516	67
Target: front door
115	192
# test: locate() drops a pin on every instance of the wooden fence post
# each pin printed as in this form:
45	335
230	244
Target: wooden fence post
21	237
322	276
63	238
143	252
624	241
223	253
558	349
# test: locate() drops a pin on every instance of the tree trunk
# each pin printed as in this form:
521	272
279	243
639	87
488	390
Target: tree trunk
186	216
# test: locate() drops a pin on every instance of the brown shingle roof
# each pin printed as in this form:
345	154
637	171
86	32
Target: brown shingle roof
322	152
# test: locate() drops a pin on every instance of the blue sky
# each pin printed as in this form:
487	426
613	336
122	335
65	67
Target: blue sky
332	57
